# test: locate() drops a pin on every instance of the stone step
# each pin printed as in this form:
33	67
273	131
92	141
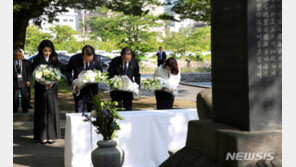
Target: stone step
196	77
30	125
29	117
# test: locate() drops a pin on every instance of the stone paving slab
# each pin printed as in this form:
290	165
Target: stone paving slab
27	153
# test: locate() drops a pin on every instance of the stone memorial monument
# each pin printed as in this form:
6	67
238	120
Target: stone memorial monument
246	124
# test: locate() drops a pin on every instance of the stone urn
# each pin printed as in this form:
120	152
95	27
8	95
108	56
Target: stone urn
107	154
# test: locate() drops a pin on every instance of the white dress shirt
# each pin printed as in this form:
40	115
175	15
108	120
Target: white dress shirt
126	65
160	55
84	64
46	58
21	67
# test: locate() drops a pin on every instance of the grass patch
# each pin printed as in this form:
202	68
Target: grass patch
200	69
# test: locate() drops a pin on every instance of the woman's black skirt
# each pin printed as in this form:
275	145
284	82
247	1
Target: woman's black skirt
164	100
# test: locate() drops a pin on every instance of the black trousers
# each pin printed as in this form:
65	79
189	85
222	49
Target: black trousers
164	100
124	99
46	114
24	99
85	98
160	62
80	104
28	96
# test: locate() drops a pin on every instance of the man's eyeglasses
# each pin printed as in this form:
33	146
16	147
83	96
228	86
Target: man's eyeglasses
126	59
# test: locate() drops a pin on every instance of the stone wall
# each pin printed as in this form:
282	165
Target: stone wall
196	77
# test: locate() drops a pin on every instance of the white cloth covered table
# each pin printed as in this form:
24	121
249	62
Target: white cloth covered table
145	137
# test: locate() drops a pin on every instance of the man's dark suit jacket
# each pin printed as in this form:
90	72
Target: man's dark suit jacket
133	72
161	61
76	65
26	73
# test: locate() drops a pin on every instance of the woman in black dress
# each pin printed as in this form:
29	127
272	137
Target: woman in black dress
46	115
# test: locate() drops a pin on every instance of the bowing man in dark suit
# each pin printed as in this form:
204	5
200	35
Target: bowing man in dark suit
87	60
125	64
21	80
161	57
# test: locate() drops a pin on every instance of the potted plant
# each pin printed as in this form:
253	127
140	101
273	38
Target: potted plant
104	117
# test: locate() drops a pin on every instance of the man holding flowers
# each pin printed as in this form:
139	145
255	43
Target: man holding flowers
87	60
127	65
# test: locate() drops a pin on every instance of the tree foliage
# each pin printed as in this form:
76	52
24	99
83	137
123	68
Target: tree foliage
26	10
198	10
196	40
33	37
136	32
62	33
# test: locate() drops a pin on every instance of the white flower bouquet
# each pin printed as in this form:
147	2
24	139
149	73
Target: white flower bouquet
45	74
89	77
123	83
157	84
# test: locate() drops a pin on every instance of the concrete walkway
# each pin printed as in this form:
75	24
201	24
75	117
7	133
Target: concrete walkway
27	153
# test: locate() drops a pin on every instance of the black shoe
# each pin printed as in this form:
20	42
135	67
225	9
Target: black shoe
43	141
30	106
50	141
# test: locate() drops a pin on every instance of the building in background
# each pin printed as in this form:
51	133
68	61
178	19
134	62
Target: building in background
70	18
75	19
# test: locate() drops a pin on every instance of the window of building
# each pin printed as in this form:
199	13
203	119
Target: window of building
71	20
65	20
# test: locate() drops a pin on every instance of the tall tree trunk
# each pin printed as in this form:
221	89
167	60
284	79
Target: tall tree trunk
20	24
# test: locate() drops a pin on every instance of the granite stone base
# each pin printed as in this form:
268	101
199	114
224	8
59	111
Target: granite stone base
209	142
204	104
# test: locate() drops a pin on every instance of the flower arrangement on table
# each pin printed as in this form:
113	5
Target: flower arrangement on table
46	74
104	118
105	115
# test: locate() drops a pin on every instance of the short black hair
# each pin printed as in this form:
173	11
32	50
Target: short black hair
88	50
160	47
126	50
18	50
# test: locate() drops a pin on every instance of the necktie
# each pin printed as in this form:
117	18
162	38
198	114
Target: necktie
125	68
18	69
85	65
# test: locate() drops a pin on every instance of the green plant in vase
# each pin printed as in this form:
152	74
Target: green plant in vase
104	118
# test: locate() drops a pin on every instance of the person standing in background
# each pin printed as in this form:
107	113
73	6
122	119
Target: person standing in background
161	56
21	80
